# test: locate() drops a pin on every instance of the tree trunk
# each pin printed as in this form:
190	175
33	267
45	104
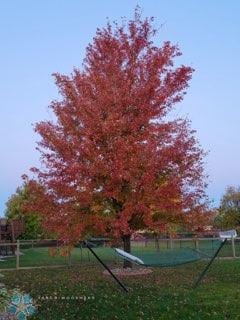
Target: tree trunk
127	247
157	242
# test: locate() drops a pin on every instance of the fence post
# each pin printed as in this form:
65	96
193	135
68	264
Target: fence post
81	252
69	259
157	243
17	254
197	243
233	248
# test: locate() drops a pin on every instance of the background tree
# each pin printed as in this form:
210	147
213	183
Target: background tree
15	210
113	161
229	211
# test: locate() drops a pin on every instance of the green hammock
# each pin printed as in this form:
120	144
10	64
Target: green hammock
174	257
170	257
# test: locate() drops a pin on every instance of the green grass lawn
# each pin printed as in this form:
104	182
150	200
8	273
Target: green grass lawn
164	294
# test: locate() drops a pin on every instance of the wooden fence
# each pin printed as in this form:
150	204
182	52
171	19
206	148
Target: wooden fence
169	243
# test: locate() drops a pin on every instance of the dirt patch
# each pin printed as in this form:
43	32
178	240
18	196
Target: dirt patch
129	271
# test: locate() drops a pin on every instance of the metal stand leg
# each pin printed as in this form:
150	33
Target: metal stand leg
106	267
209	264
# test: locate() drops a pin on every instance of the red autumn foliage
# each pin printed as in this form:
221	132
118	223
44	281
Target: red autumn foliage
113	161
53	252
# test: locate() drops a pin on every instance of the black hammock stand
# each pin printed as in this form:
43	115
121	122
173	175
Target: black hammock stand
169	257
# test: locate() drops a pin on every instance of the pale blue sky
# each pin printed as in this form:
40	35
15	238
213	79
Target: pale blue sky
42	37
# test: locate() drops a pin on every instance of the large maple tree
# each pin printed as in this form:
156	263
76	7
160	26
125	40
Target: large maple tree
113	160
